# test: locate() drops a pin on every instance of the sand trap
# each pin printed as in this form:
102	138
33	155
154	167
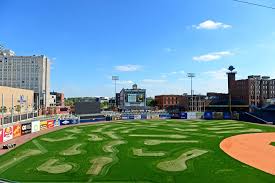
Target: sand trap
140	152
110	146
112	135
179	164
159	136
18	158
74	130
186	130
50	167
98	164
40	147
252	149
240	131
71	151
69	137
157	142
95	138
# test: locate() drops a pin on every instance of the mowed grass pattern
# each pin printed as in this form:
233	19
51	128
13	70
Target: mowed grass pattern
134	151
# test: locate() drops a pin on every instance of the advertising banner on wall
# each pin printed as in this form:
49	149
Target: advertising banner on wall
7	133
226	115
50	123
26	128
208	115
68	122
183	115
217	115
43	125
191	115
16	130
1	135
56	122
35	126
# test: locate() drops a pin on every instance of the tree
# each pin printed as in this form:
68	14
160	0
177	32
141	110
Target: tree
151	103
104	105
4	109
17	108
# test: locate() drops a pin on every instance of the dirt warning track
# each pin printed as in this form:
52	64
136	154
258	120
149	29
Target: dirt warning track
252	149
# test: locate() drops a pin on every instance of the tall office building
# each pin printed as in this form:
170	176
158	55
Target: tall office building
26	72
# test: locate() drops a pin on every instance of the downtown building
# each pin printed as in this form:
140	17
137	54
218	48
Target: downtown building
256	90
26	72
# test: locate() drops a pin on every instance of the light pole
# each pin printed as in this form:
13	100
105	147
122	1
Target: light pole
115	78
191	76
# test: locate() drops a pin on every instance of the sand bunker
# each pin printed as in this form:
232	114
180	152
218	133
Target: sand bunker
74	130
110	146
157	142
98	165
252	149
73	150
68	137
159	136
186	130
240	131
95	137
140	152
112	135
18	158
179	164
50	167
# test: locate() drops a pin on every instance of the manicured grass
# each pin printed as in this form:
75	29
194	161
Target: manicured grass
134	151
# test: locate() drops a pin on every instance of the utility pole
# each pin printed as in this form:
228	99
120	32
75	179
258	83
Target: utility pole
191	76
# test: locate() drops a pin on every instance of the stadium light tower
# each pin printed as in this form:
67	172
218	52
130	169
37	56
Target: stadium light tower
191	76
115	78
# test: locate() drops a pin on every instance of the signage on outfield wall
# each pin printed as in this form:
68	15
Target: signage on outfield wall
43	125
68	122
16	131
183	115
208	115
26	128
56	122
7	133
35	126
50	123
1	135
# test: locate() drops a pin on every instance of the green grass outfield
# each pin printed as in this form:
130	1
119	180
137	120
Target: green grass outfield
137	151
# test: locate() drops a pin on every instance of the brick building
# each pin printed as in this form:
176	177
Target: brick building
165	101
253	91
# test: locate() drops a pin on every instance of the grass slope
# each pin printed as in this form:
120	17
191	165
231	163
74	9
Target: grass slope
118	152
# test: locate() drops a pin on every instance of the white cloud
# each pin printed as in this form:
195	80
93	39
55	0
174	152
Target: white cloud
152	81
169	50
212	56
217	74
127	68
123	82
211	25
165	75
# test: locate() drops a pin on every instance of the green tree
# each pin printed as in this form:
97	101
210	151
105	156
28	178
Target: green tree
17	108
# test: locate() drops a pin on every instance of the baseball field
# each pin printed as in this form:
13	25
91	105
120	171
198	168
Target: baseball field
134	151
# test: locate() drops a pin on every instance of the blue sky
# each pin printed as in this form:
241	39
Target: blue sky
153	43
